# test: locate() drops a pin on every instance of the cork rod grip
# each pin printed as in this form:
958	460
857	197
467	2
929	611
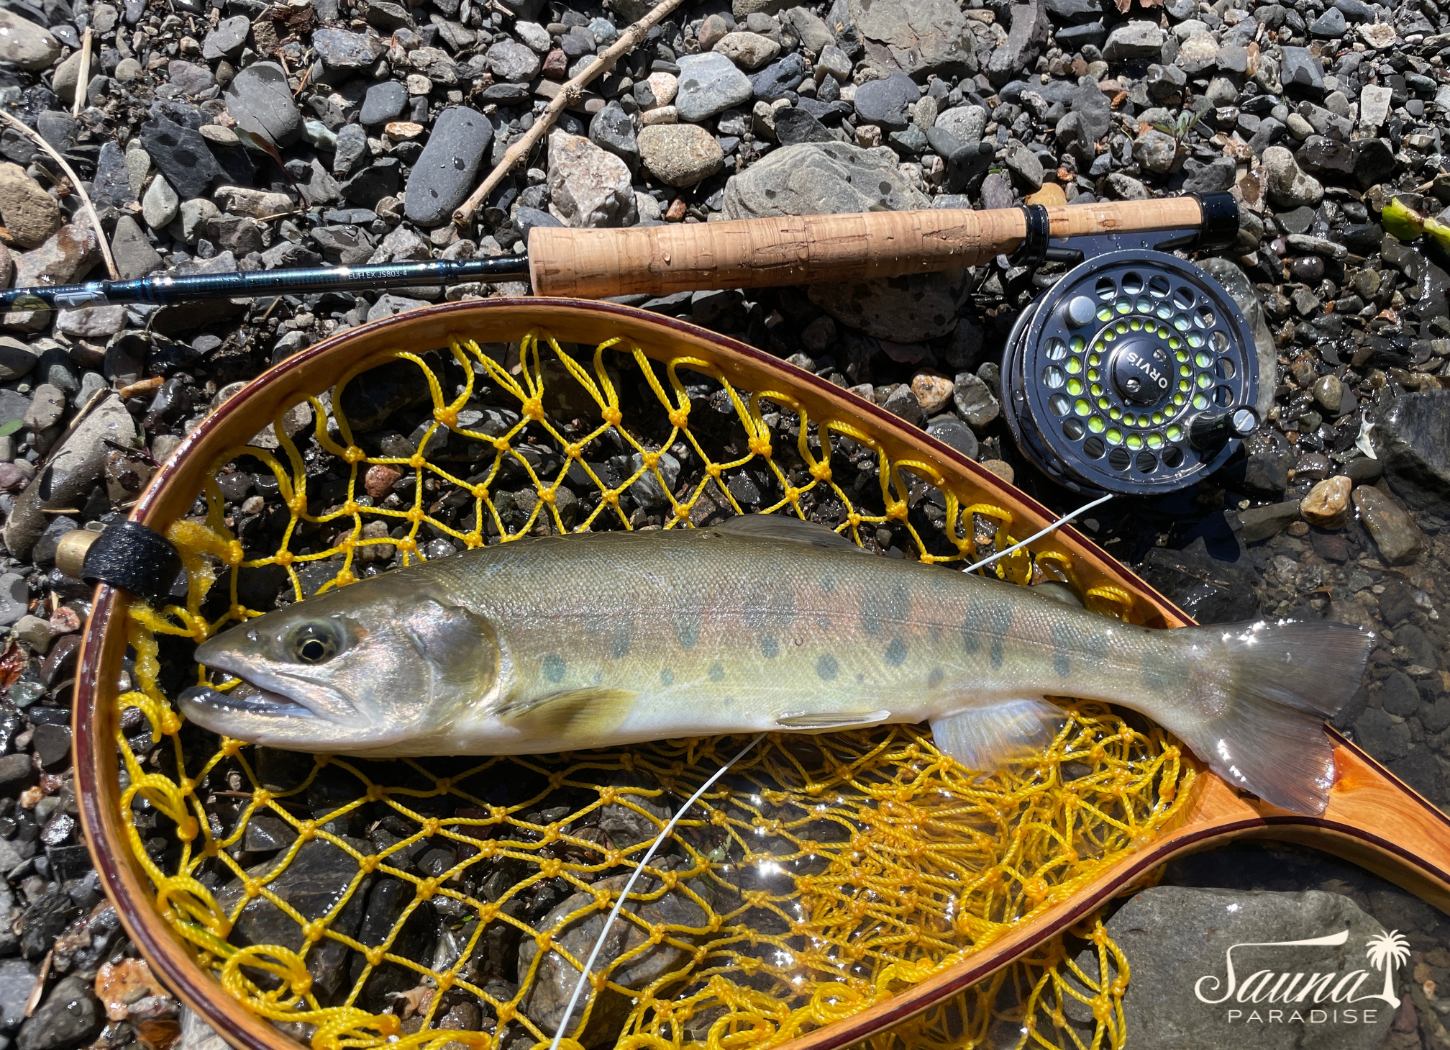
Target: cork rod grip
811	249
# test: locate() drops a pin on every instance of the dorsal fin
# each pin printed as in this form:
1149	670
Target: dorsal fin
784	528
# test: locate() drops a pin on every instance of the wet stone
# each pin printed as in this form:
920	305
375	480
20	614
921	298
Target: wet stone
1399	695
445	173
1152	927
1412	437
1395	533
69	1015
312	883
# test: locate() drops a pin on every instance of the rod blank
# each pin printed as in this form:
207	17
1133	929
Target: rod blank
246	284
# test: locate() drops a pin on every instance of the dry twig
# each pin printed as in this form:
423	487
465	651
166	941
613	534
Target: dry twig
570	92
83	75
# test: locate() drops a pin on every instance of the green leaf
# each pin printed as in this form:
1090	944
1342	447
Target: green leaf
1402	220
1167	129
6	429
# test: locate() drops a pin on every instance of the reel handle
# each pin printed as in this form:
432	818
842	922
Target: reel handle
813	249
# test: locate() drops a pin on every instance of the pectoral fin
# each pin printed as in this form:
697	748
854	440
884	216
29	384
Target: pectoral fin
831	719
988	738
574	715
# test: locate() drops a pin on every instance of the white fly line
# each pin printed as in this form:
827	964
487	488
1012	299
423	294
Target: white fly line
1059	523
633	878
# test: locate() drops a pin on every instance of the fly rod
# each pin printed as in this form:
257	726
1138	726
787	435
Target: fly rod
676	257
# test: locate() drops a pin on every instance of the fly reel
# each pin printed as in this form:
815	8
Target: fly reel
1136	373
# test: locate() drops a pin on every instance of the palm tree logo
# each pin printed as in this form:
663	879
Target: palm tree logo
1388	951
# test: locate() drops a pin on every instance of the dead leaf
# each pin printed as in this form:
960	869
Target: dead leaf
1050	195
118	985
158	1035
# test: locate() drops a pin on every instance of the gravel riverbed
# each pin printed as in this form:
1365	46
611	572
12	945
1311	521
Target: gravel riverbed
386	115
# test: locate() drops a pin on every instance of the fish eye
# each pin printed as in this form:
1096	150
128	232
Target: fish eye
312	643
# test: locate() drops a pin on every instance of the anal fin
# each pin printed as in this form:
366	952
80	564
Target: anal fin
987	738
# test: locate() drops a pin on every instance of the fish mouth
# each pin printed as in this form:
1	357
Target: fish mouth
236	702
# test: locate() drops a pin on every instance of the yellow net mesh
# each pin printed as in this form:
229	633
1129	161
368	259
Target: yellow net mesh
451	902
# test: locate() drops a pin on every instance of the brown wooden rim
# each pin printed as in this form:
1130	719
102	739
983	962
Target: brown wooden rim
1370	817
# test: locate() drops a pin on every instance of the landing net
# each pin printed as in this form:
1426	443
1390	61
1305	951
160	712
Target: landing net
449	903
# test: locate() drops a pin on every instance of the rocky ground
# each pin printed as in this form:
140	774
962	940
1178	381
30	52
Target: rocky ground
381	118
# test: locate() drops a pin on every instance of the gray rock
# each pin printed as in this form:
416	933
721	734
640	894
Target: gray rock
1177	941
1299	69
17	359
181	155
965	123
823	179
26	44
1155	151
886	103
1025	167
352	147
796	125
1131	40
613	129
974	400
159	204
189	78
680	154
14	598
112	182
1412	438
1374	105
227	39
447	169
1395	532
383	102
1025	41
1288	186
815	35
549	993
341	49
379	179
589	187
69	1015
1400	696
919	37
67	479
1214	177
951	431
772	82
310	883
261	102
17	981
1330	25
1383	737
1261	523
1237	284
829	178
534	35
749	51
709	84
509	60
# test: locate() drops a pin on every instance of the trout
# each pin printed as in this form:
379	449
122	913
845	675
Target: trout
764	623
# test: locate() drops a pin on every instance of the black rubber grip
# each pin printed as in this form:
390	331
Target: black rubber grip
1032	252
134	557
1219	224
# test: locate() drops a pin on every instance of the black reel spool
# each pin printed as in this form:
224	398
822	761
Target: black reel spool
1136	373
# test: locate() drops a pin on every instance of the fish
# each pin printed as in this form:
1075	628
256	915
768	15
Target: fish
765	623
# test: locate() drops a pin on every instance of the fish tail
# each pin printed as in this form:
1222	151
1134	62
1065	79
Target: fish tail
1275	684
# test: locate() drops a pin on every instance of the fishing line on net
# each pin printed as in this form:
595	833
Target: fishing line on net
634	877
1037	536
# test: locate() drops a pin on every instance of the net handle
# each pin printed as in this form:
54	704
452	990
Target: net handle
813	249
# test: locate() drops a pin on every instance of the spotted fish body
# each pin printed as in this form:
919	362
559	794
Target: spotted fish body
760	625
